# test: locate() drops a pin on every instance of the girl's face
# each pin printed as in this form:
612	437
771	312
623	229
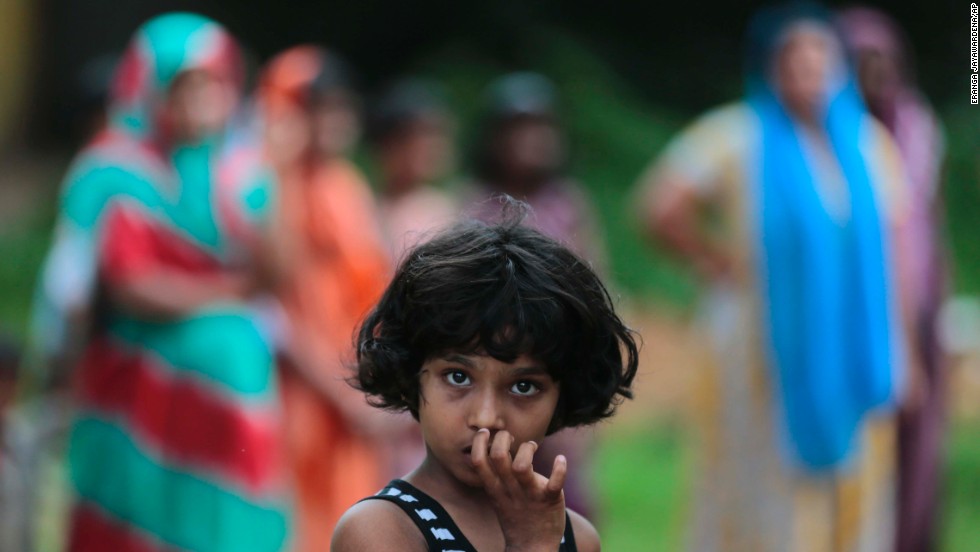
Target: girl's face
463	393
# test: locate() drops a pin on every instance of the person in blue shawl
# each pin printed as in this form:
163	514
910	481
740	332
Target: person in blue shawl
789	204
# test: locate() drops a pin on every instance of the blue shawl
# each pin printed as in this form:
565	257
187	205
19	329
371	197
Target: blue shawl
826	284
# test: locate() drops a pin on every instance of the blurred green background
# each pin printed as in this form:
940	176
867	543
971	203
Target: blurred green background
628	80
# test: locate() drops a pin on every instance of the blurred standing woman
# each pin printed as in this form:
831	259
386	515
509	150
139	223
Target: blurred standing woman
174	442
411	133
522	153
885	72
336	267
786	204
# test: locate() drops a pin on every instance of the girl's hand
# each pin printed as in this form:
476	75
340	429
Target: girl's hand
530	507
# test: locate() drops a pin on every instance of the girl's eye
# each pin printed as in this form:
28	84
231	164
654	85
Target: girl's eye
525	388
457	377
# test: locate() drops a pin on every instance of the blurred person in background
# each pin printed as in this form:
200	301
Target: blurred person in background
788	205
885	72
15	494
521	153
174	440
411	133
336	267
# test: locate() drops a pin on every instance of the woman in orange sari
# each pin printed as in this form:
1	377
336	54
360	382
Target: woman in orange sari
336	266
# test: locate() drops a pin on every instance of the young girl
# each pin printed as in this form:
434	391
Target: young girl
492	336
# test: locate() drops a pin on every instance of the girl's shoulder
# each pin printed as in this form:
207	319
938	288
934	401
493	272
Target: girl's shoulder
586	536
376	525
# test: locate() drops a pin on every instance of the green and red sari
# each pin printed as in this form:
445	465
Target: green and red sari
175	441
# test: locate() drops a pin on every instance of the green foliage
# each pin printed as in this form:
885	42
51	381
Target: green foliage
961	488
962	195
23	244
643	480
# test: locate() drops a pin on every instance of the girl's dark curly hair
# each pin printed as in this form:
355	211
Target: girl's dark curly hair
502	290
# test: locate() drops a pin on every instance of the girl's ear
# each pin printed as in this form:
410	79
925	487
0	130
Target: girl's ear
558	416
412	403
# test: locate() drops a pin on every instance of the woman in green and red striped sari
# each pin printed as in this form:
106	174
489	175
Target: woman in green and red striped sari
175	444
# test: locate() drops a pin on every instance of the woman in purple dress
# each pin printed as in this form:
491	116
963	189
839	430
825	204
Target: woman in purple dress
884	66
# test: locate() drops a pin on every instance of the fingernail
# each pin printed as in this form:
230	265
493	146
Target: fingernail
534	443
483	430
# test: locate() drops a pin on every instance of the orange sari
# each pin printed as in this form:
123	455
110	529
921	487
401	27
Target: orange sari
339	269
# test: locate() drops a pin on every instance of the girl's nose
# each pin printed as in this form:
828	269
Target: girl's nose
486	413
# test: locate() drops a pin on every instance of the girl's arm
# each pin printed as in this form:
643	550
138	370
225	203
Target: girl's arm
586	537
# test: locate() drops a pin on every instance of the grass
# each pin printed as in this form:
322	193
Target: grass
644	477
961	503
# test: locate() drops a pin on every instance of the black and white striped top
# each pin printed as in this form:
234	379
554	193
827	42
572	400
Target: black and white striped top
440	531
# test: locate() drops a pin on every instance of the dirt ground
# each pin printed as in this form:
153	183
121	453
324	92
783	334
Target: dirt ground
672	347
668	354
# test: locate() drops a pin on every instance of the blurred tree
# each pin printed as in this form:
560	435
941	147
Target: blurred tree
16	40
680	54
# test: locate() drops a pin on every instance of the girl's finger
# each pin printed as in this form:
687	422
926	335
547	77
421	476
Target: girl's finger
557	480
478	455
500	459
480	444
523	466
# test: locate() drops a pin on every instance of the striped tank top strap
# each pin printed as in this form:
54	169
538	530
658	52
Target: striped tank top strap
438	528
568	539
